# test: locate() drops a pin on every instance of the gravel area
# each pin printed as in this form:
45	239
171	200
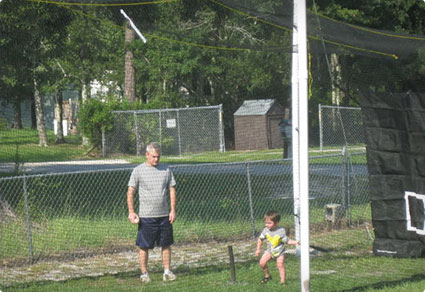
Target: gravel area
195	255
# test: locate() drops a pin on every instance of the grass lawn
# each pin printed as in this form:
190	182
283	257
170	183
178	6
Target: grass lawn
21	146
349	267
351	275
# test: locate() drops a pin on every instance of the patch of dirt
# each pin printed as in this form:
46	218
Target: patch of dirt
187	255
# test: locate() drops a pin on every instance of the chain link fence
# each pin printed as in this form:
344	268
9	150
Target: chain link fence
179	131
71	216
340	126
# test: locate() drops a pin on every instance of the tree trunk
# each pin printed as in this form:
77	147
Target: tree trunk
17	119
58	117
41	128
129	85
85	94
33	115
337	93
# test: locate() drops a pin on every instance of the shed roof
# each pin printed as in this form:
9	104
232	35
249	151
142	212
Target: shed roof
256	107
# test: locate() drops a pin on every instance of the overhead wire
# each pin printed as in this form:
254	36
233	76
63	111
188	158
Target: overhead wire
186	43
102	4
309	35
372	31
245	14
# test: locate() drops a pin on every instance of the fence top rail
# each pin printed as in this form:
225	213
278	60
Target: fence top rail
167	109
340	107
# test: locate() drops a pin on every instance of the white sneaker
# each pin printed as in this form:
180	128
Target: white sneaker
145	278
168	276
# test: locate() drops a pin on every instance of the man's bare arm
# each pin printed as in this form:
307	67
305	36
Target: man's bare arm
173	200
130	204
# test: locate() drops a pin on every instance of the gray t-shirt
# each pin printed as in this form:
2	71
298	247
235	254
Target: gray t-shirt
153	184
275	239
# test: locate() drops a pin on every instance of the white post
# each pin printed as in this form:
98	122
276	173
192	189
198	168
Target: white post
178	132
160	128
304	162
320	127
221	128
295	126
300	133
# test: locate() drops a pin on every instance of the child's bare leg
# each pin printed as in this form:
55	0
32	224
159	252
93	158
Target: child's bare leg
263	263
280	262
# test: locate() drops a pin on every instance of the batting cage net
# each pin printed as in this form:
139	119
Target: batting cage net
86	87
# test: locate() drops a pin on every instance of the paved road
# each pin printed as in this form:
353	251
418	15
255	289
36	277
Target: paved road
325	179
254	168
67	166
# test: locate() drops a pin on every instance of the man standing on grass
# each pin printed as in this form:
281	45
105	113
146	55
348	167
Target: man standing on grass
154	182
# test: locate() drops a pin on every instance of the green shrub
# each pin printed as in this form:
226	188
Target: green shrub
95	115
3	124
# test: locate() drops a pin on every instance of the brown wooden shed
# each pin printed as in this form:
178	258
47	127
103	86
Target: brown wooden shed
256	125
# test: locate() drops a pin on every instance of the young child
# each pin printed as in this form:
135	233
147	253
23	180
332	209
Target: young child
276	239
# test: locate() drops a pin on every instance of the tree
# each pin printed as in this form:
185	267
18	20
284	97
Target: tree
93	49
189	75
15	74
59	117
34	39
129	82
41	127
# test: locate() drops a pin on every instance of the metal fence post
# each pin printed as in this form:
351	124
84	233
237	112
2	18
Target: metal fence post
221	130
251	207
103	143
160	127
178	132
136	131
347	184
28	221
320	128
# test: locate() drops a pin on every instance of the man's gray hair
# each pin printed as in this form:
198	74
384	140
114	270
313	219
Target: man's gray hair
154	146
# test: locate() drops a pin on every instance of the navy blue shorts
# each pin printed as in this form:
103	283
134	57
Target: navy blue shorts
154	232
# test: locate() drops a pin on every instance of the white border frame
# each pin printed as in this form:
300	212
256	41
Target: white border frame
408	219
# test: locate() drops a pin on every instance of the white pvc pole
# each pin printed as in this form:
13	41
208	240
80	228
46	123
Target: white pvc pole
300	133
295	126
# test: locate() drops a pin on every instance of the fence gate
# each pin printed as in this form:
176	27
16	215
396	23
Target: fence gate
340	125
179	131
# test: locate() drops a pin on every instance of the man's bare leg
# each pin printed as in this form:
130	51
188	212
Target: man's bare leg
166	262
166	257
143	260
